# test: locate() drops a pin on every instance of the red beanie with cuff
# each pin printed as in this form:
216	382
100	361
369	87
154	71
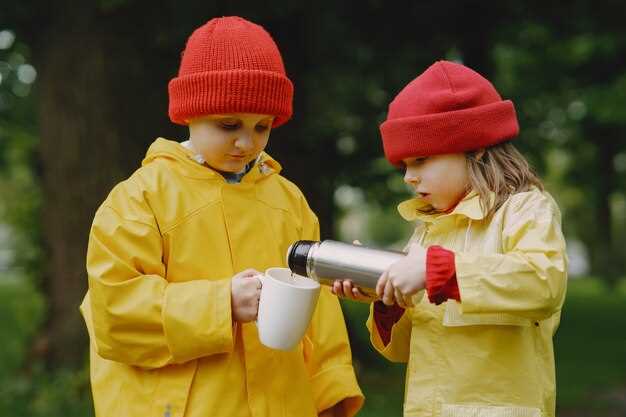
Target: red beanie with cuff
449	108
230	65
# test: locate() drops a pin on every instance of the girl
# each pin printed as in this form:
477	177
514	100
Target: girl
174	250
488	250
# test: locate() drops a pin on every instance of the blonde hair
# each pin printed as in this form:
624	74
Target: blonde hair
500	169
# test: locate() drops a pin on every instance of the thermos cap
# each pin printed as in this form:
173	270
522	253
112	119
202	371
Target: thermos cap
298	255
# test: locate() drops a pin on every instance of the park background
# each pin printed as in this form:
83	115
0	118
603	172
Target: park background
83	92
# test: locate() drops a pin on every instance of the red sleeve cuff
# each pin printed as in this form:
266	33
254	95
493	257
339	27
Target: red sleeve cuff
441	282
385	317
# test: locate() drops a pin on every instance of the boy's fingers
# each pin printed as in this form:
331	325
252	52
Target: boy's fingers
249	273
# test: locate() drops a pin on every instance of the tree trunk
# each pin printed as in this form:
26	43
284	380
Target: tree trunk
307	161
100	105
605	259
600	184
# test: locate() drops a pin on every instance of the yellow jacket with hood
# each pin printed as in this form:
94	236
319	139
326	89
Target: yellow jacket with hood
162	250
491	354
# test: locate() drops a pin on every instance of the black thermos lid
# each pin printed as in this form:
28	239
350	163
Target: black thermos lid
298	255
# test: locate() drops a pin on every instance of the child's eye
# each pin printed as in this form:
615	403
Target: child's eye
261	128
229	124
415	161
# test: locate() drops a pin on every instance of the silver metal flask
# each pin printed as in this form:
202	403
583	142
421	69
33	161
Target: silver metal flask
329	260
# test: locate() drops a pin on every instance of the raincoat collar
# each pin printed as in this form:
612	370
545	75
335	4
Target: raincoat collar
184	161
469	207
265	166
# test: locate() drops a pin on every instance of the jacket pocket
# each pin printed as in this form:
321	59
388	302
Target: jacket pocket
454	317
457	410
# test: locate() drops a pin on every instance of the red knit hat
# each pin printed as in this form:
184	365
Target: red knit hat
449	108
230	65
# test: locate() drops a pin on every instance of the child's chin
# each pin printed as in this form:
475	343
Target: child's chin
437	206
233	168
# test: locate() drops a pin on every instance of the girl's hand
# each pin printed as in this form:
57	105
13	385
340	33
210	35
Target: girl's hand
346	289
245	290
404	278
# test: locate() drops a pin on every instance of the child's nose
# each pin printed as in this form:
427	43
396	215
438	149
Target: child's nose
244	142
411	177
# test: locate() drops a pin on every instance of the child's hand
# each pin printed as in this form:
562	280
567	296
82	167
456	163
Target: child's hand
245	290
346	289
404	278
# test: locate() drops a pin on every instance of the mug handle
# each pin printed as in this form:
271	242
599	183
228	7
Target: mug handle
261	278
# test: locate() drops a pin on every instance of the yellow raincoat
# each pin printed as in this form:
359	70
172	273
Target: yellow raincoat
490	355
162	250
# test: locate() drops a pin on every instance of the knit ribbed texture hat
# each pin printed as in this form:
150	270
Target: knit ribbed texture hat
449	108
230	65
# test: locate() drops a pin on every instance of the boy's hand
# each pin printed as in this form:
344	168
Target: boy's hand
346	289
404	278
245	290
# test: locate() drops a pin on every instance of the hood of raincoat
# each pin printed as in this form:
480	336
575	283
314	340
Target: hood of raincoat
182	159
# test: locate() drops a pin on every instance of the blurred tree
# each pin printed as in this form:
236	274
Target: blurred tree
18	179
569	81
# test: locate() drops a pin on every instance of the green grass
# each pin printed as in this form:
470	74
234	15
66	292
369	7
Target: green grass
384	391
26	388
590	345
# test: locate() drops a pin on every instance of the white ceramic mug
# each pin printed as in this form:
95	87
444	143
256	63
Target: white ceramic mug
285	308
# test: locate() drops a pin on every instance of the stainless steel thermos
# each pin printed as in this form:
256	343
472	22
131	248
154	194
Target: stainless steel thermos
329	260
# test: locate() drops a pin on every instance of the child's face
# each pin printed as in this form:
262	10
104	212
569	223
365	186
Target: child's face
228	142
440	180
